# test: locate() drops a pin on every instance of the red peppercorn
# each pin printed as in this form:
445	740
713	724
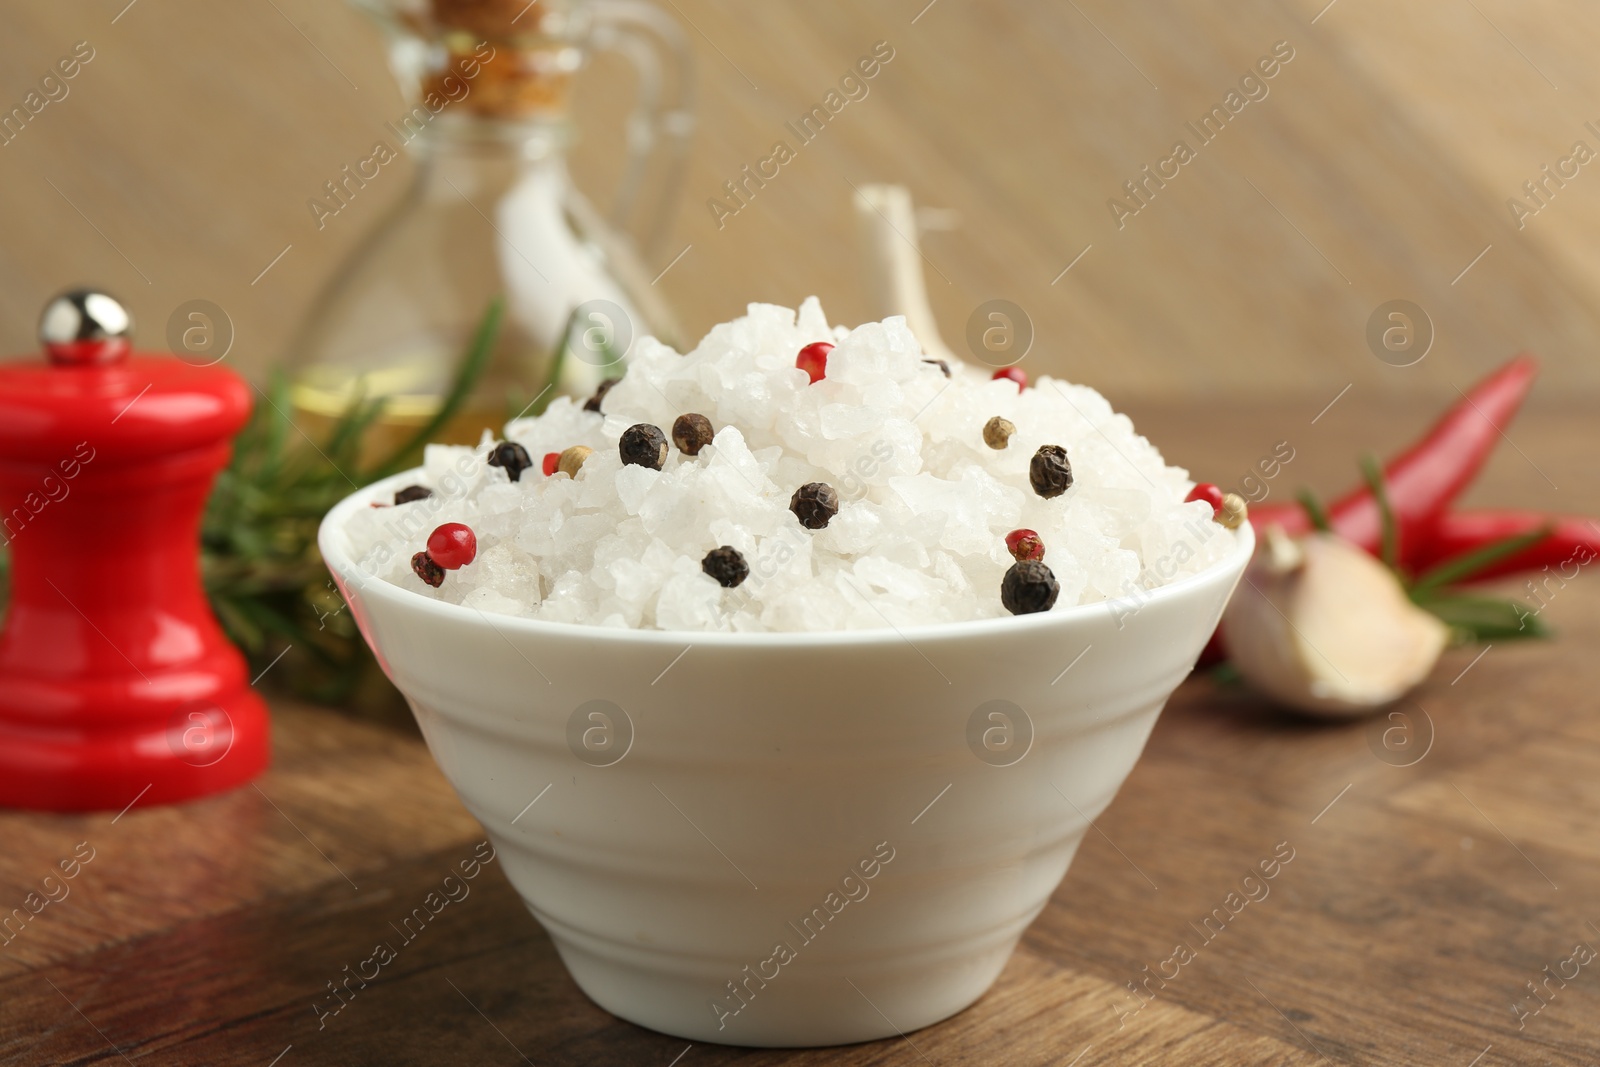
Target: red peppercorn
427	569
452	545
552	463
813	359
1012	374
1024	544
1210	494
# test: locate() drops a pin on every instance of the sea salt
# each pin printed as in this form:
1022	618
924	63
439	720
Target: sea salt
924	503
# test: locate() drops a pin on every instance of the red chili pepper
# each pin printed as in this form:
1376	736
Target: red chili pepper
1215	652
1422	481
1573	540
1292	517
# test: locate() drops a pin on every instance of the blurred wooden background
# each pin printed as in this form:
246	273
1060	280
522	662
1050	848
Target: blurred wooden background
1378	168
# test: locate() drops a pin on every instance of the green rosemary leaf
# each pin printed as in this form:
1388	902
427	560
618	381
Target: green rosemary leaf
1380	493
558	360
259	561
1464	567
264	617
1226	674
614	367
275	425
1313	509
344	445
515	406
467	374
236	623
1486	618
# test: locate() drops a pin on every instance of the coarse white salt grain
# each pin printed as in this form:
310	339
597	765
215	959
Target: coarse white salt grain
924	503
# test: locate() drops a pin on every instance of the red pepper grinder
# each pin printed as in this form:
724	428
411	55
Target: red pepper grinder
116	683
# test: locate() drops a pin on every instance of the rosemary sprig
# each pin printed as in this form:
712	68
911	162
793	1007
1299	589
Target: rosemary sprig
1472	617
1483	618
468	371
1464	567
1314	511
258	551
1389	545
517	408
259	558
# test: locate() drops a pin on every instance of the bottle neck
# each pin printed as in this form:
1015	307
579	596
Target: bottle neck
492	153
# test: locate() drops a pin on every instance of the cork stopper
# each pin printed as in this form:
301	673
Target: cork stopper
490	20
509	53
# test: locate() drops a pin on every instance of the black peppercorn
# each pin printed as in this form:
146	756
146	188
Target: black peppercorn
427	569
1028	587
512	457
941	364
644	445
691	433
412	492
726	565
594	402
1050	471
814	504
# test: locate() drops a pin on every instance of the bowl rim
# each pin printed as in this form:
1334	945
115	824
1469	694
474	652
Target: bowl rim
333	543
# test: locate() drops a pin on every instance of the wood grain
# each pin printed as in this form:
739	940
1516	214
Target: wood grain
1419	900
1377	168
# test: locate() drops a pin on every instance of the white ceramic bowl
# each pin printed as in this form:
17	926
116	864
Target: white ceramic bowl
784	839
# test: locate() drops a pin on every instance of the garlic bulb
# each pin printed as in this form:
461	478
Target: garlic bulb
1322	627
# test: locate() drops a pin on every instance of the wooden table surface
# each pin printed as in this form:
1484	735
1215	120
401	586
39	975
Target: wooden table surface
1429	883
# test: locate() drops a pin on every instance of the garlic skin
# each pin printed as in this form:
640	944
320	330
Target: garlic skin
1322	627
